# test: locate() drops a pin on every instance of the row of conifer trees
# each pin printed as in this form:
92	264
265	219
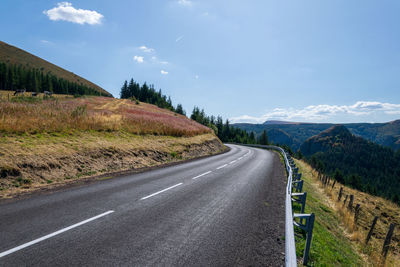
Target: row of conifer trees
18	77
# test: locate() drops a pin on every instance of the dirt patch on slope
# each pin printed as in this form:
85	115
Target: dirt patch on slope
32	164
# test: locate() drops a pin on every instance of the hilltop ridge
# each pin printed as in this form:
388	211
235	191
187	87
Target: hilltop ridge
15	56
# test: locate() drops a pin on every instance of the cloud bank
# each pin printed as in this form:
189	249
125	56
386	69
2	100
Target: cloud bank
65	11
321	113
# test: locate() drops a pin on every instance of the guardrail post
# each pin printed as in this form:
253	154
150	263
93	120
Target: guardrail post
308	227
297	177
301	198
309	237
298	186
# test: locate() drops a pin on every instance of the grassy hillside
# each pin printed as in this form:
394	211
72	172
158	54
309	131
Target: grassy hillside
93	113
337	240
12	55
294	134
47	142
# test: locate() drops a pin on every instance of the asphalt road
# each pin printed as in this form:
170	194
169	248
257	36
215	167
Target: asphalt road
219	211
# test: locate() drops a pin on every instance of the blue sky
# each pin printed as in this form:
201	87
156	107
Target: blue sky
250	61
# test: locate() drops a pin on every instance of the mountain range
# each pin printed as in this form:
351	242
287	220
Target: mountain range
294	134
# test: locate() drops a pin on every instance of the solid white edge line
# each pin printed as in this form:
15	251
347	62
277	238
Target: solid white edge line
223	166
7	252
159	192
198	176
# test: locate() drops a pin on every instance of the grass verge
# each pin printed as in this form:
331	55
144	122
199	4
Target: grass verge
338	225
330	245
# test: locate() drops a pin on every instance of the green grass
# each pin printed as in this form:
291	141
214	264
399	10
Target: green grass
106	178
329	246
28	99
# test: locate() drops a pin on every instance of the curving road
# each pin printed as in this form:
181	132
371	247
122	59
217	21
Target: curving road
219	211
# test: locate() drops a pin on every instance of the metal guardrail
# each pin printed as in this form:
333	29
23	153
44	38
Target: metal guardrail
290	247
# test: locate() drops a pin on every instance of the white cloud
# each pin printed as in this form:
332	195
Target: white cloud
46	42
146	49
163	72
196	77
179	38
158	61
185	2
320	113
65	11
138	59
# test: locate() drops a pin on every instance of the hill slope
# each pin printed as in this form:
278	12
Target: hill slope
57	141
12	55
294	134
355	161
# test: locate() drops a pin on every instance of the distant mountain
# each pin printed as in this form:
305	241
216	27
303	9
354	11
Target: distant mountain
386	134
355	161
279	122
14	56
336	136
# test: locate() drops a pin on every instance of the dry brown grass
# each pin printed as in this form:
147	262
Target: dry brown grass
42	160
371	206
93	113
54	141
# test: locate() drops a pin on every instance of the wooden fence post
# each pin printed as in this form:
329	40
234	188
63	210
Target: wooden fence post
345	199
388	238
333	185
340	194
371	230
351	202
356	213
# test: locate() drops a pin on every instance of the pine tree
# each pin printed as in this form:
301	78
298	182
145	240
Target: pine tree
179	109
263	140
124	90
252	138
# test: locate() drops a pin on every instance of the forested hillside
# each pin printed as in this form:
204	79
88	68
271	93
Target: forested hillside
18	77
355	161
22	70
